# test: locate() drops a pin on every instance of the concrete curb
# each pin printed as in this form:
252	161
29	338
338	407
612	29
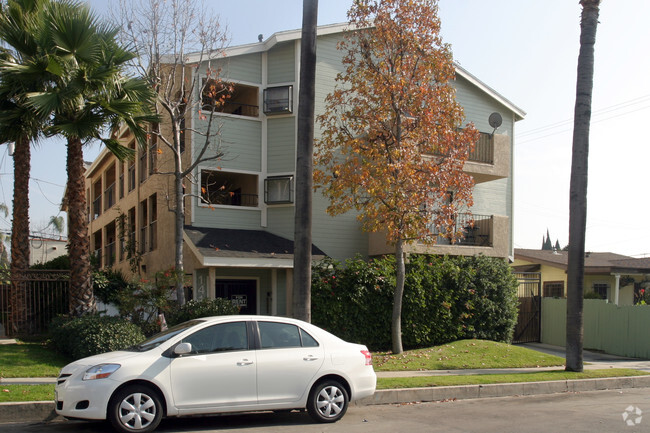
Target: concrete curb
43	411
441	393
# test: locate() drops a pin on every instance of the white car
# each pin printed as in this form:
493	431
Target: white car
215	365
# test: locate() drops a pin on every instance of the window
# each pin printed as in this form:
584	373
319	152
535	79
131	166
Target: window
229	189
553	289
278	335
278	189
230	98
143	226
307	340
278	100
601	289
153	148
219	338
143	165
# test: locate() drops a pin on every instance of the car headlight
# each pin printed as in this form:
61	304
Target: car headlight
100	371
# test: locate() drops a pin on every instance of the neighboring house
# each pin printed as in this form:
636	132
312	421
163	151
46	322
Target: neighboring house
42	249
614	277
242	247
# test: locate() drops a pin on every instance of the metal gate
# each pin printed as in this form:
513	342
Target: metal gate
528	329
44	294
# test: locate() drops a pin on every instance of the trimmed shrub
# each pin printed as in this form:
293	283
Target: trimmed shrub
108	284
92	334
203	308
445	299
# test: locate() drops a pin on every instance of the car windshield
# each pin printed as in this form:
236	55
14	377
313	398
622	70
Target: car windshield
160	338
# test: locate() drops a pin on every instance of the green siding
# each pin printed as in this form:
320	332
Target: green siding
281	145
240	139
478	106
246	68
232	218
281	63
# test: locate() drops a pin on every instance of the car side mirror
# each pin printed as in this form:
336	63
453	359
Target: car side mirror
182	349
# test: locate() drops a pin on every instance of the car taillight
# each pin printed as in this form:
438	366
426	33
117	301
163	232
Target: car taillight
368	356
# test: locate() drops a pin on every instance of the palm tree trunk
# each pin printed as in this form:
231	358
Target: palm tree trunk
400	270
578	189
82	300
20	237
305	165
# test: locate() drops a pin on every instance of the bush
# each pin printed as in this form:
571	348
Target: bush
92	334
61	263
445	299
203	308
107	285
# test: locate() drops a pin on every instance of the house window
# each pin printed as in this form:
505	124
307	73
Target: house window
230	98
229	189
601	289
143	226
153	148
553	289
153	219
278	190
278	100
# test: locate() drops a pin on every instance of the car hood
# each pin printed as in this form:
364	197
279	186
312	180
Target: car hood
118	357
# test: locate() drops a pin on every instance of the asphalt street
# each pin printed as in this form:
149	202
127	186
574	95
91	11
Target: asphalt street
588	412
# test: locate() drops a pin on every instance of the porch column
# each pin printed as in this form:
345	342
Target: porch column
617	287
212	276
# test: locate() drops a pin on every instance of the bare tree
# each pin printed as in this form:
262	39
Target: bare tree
178	43
305	164
578	193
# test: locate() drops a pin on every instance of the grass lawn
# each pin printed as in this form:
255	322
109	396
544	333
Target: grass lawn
14	393
482	379
30	360
465	354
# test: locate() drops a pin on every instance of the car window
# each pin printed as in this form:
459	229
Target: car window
307	340
278	335
219	338
162	337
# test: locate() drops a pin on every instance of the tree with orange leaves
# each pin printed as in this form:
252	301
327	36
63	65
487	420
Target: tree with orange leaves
392	147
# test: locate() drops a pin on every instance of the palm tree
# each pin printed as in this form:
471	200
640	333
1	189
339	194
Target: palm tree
19	30
304	165
578	193
90	92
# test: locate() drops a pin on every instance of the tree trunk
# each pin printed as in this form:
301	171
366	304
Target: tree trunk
305	165
400	269
578	189
82	300
179	215
20	237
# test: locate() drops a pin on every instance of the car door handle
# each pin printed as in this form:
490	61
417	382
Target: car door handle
309	358
244	362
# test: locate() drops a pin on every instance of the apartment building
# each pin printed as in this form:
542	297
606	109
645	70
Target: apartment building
240	245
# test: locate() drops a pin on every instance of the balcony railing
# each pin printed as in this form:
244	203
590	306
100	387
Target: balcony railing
153	236
110	254
143	240
97	206
484	150
475	229
109	196
234	199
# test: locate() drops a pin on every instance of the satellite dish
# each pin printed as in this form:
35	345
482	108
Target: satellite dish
495	120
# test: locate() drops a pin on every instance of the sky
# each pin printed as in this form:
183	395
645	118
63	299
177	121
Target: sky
527	51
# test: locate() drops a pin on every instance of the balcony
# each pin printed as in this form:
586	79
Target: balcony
228	189
110	254
97	207
109	197
490	159
483	234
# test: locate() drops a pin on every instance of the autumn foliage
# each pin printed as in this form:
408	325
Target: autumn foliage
392	146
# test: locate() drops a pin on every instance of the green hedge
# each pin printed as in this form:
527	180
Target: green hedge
196	309
445	299
93	334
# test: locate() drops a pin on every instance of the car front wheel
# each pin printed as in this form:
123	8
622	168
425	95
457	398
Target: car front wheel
135	409
328	401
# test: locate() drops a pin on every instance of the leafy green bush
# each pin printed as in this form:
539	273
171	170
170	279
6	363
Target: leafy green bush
92	334
445	299
203	308
61	263
107	285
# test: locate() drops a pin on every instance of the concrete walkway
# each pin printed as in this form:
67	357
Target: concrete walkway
44	411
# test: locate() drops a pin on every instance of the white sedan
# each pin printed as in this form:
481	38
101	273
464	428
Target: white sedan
215	365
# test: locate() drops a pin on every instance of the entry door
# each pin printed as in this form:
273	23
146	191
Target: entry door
242	293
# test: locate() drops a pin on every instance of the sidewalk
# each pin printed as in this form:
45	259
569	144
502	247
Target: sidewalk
44	411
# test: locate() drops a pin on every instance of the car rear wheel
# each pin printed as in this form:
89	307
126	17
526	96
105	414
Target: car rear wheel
135	409
328	401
